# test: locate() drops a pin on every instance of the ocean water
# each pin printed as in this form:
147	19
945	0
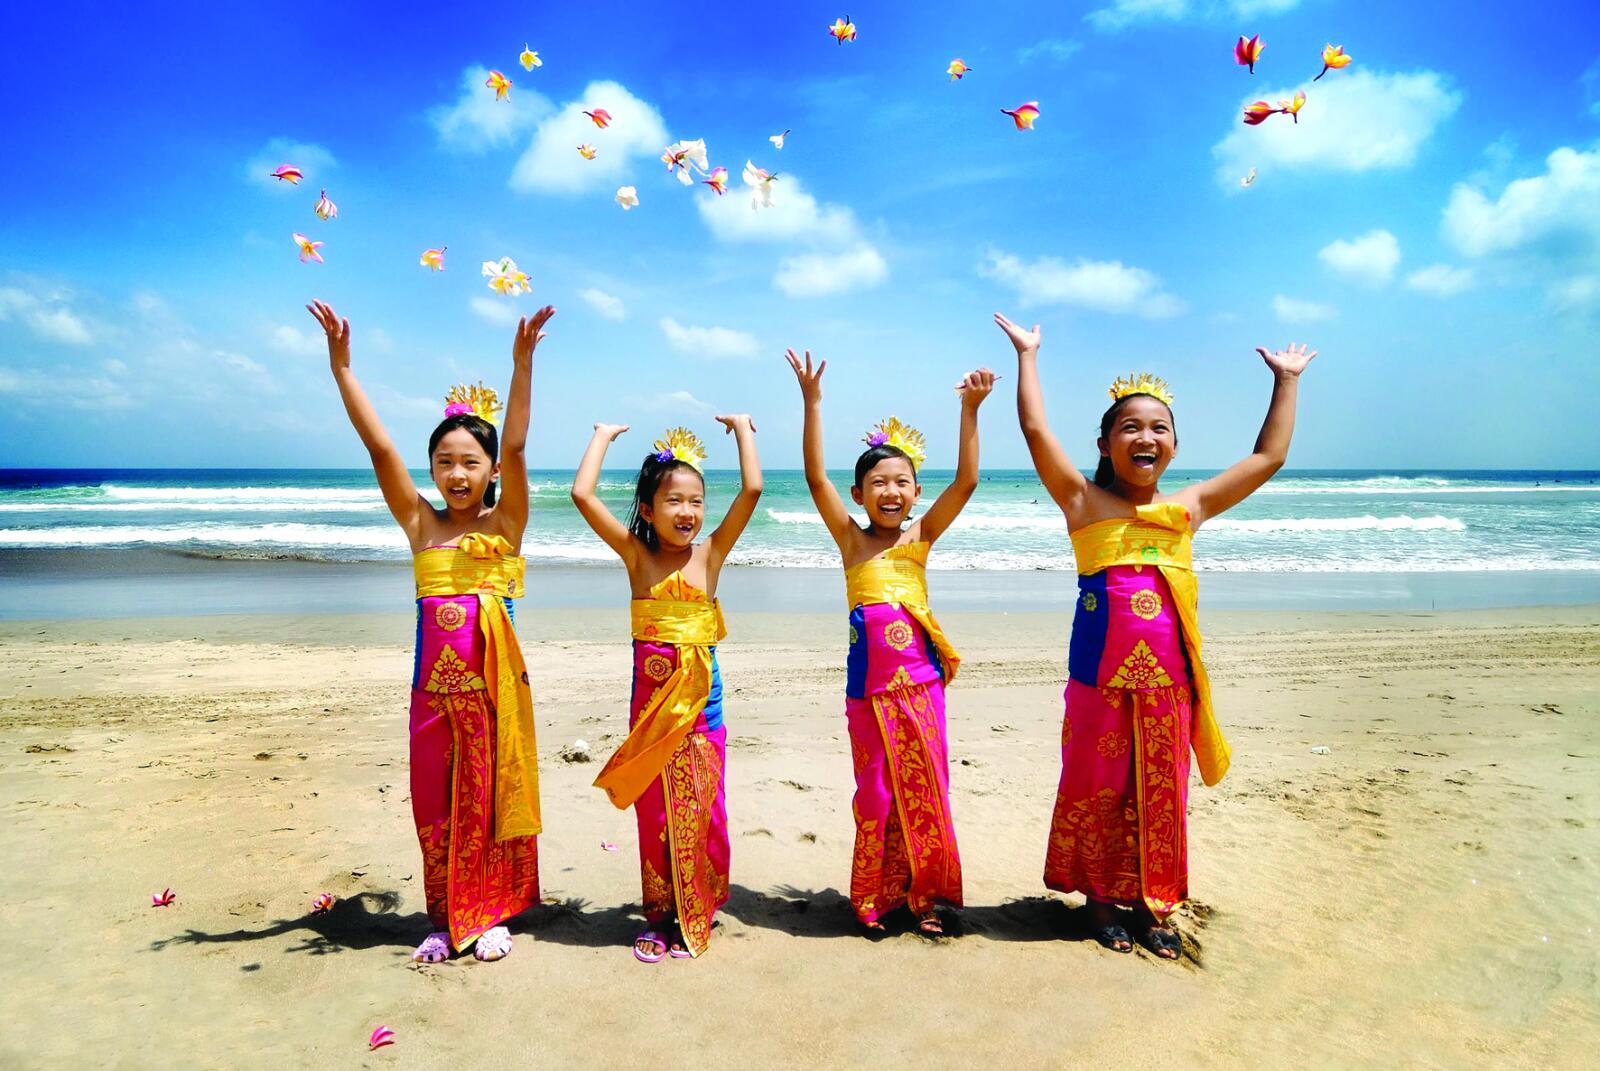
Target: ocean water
1309	521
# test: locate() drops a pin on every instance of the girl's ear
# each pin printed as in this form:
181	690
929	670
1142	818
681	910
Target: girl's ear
1104	450
855	495
494	473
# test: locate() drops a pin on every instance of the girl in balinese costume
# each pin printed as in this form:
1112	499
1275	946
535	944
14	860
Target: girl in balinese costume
474	766
899	658
1137	698
671	767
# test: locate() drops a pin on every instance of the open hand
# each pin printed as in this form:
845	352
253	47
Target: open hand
1290	362
733	422
610	431
975	387
337	330
530	332
1025	341
810	380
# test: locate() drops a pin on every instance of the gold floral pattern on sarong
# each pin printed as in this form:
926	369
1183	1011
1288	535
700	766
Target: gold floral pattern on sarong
855	637
900	678
657	667
450	616
1162	826
1112	745
1146	603
898	634
657	891
1140	669
451	673
691	782
1093	846
1090	602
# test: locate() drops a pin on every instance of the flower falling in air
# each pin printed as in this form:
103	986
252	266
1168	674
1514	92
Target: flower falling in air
500	84
1247	51
1249	179
505	278
843	30
288	173
718	180
600	117
326	209
308	249
681	155
380	1037
322	904
1333	59
162	898
434	258
761	181
957	69
627	197
587	151
1291	108
777	140
529	58
1255	114
1024	115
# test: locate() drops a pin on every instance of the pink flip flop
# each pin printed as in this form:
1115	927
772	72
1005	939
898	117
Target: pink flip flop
649	937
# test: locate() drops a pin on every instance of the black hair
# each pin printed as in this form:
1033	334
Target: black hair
1104	474
651	473
481	430
873	454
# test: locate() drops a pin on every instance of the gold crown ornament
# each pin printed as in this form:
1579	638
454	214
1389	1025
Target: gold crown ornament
479	401
902	437
1142	383
681	444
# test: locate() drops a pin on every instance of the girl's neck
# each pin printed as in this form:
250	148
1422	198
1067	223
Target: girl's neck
875	531
1138	496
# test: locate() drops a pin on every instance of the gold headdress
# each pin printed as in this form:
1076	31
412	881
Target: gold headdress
903	437
478	400
1142	383
681	444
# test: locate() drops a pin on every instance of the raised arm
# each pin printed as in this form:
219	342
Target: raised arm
1064	482
1232	486
587	499
974	389
739	513
823	493
513	505
399	490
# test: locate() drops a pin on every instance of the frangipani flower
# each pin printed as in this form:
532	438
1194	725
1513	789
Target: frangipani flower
1256	114
681	155
434	258
1333	59
322	904
1246	52
505	278
1249	179
163	898
529	58
761	181
1024	115
326	209
627	197
587	151
308	249
718	180
1291	108
956	69
843	30
601	117
777	140
607	846
500	84
381	1037
288	173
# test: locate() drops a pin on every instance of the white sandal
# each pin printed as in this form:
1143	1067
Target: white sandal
436	949
494	943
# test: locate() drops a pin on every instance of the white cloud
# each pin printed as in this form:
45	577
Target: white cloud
1247	8
1577	293
551	163
1441	280
608	305
1123	13
1370	258
1105	285
48	317
1591	88
820	274
292	340
1360	121
498	311
1050	50
672	402
311	159
1295	311
475	121
712	342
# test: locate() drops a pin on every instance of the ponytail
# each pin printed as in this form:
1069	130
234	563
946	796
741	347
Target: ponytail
488	493
1103	473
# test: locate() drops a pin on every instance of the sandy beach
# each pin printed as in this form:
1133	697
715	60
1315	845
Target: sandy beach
1423	895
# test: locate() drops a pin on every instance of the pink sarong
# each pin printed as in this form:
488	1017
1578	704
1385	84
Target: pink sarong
472	881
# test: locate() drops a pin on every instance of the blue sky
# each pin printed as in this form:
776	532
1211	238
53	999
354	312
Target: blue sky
1431	225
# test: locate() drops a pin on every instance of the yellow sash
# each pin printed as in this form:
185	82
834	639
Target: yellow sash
484	566
673	615
900	578
1160	536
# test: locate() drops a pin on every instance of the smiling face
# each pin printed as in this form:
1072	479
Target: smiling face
462	469
677	509
1141	441
888	490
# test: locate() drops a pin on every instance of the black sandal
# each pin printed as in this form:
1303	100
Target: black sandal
1165	943
1115	937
